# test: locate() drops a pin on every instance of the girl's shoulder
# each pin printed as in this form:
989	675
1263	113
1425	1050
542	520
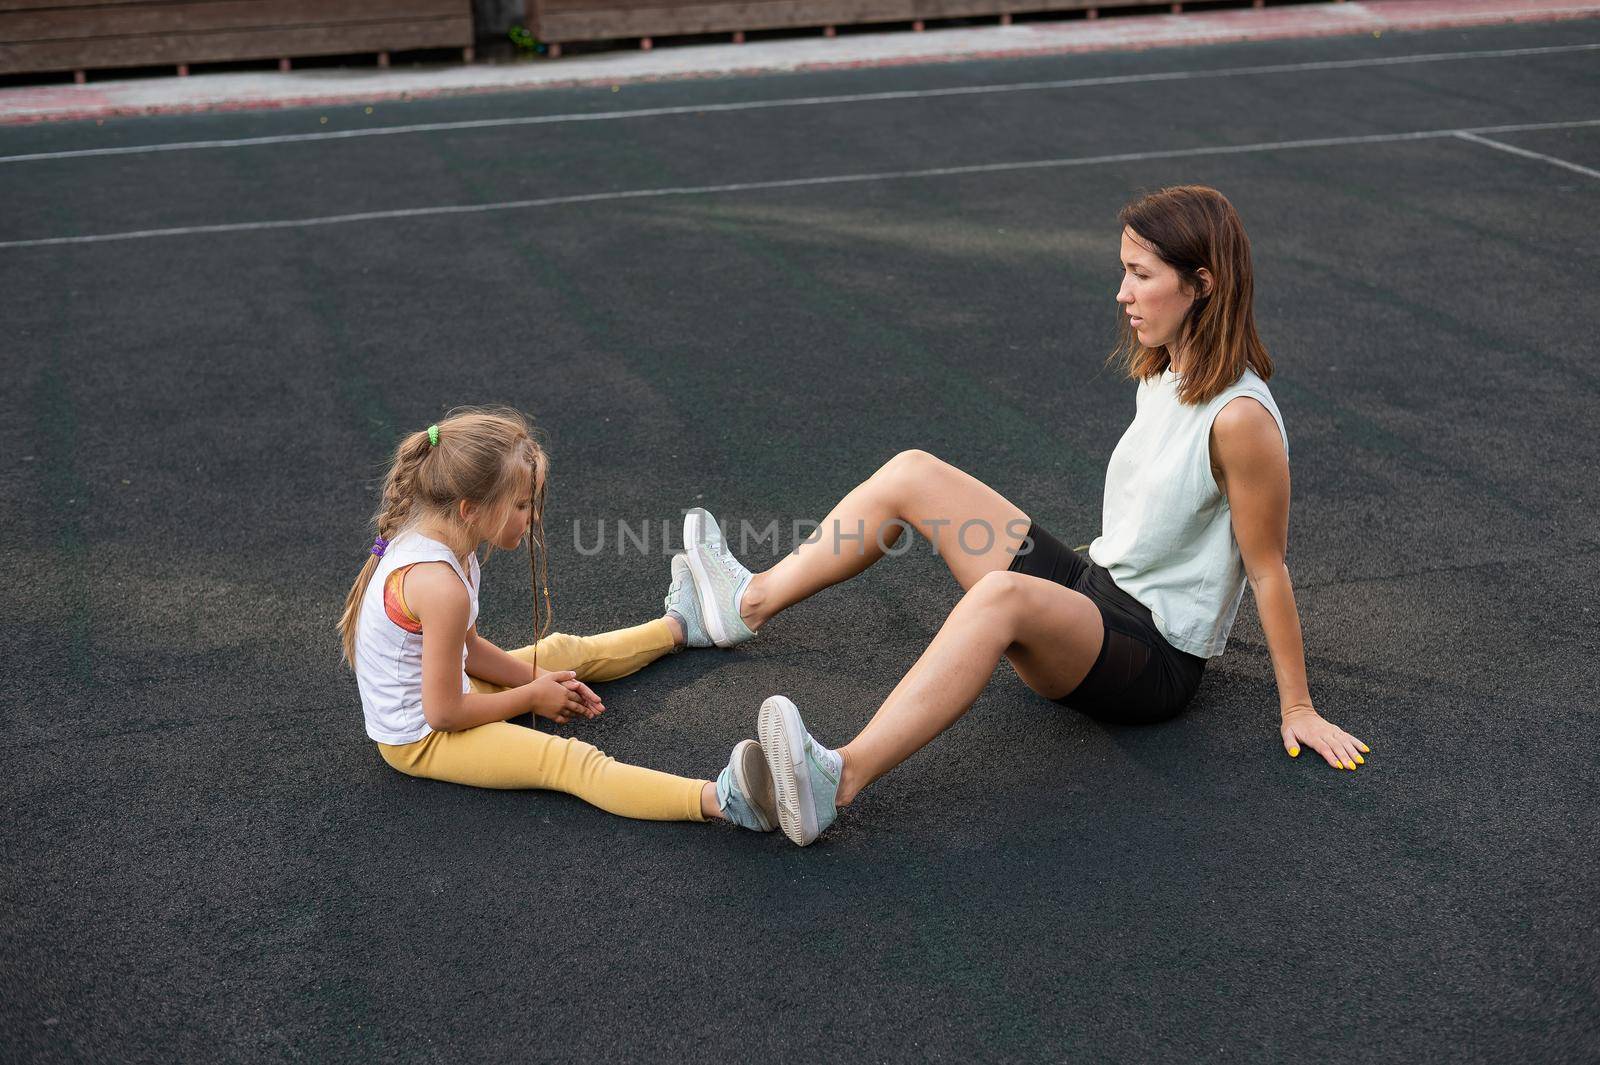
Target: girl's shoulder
434	593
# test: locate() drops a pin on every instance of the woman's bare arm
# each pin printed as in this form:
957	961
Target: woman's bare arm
1248	446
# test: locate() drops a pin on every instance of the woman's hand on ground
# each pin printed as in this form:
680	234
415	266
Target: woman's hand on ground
551	698
1304	725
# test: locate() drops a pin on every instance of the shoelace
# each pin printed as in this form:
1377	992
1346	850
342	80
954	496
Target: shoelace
729	564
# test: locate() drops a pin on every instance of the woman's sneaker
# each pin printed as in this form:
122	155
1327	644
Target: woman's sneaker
683	603
805	774
718	578
744	789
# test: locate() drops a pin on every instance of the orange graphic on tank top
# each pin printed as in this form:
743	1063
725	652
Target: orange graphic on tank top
394	602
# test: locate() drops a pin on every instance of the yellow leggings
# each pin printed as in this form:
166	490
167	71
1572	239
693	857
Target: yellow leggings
503	755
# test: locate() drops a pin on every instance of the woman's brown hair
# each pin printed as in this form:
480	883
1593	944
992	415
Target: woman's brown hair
485	455
1189	227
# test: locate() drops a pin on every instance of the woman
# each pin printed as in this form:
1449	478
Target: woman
1196	505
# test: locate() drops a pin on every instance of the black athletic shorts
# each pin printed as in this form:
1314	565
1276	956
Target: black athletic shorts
1139	678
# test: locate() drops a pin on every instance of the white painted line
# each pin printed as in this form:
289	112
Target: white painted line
1468	135
807	101
789	183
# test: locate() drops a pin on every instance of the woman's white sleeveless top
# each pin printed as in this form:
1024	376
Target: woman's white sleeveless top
1167	531
389	656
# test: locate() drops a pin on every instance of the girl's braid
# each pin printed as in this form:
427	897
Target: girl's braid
400	488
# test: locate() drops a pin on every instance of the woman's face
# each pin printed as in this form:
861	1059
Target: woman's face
1152	294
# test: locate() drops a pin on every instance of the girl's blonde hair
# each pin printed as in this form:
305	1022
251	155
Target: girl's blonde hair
1189	227
485	456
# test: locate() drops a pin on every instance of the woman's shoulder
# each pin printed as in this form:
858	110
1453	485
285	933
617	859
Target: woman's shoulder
1243	415
1253	380
1247	415
1248	383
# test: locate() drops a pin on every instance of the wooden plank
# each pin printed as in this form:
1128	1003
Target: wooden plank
600	20
668	6
823	8
588	20
128	20
172	49
932	9
47	5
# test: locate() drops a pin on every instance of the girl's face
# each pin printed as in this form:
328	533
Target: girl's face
506	524
518	519
1152	295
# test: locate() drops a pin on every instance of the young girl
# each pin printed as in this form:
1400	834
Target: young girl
437	696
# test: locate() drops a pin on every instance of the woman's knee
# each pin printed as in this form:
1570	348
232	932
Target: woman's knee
911	463
908	473
1000	597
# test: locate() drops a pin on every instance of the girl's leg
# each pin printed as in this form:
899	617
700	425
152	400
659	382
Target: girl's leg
502	755
1051	634
605	656
974	528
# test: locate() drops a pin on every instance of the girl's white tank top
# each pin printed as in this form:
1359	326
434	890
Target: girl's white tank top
389	643
1167	530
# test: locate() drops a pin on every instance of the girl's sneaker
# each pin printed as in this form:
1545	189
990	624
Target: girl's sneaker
744	789
805	774
718	578
684	604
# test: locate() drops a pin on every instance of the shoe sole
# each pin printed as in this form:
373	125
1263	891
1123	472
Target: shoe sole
783	741
754	780
694	524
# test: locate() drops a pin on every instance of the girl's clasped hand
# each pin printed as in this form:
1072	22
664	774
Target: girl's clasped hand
561	696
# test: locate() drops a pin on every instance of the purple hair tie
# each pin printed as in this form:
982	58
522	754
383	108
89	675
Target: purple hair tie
379	546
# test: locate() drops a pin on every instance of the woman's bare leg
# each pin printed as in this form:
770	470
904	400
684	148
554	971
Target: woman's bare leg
975	528
1051	634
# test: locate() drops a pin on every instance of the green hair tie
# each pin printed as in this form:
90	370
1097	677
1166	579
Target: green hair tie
433	436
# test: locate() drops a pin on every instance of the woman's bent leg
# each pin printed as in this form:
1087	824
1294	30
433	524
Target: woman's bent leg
502	755
1050	633
974	528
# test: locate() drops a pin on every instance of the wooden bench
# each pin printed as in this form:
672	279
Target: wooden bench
38	36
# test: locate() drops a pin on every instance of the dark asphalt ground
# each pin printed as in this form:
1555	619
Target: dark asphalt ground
205	859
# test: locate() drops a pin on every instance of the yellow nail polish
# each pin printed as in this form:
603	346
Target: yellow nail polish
1360	760
1294	752
1349	766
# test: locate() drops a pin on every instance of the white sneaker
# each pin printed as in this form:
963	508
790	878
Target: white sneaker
744	789
684	601
805	774
719	579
